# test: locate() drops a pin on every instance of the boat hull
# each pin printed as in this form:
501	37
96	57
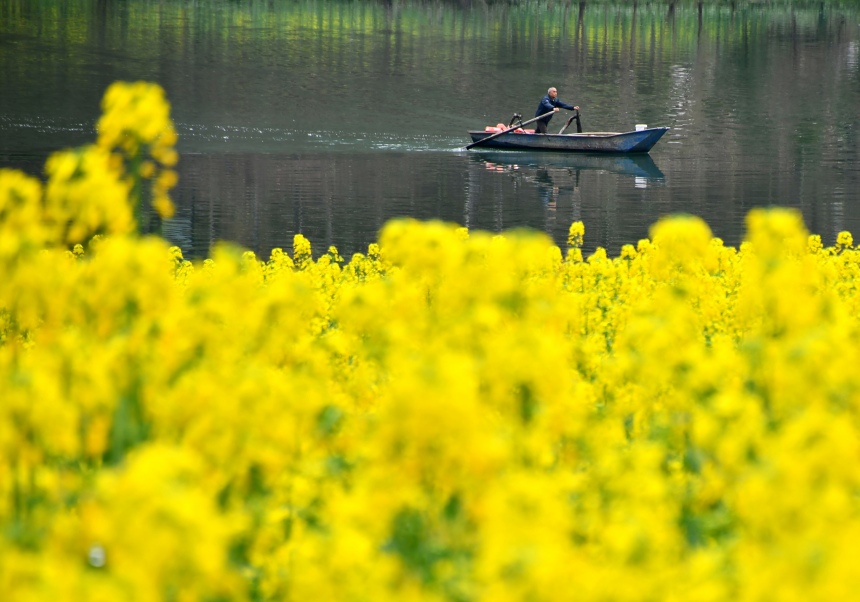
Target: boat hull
640	141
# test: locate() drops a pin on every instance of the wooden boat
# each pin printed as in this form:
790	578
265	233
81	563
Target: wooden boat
640	141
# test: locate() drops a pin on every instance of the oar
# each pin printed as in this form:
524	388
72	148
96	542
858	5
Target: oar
569	121
511	129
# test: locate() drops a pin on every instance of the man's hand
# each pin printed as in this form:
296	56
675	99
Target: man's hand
555	110
575	108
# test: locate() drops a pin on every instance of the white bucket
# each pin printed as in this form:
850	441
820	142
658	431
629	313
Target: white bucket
641	126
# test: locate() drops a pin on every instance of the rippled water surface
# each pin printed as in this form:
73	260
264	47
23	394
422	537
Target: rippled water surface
330	118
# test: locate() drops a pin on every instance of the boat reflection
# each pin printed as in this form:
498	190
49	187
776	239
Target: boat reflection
641	166
556	176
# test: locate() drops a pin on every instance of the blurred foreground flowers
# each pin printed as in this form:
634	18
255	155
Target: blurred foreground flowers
452	416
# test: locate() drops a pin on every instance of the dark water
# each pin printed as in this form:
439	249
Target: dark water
329	118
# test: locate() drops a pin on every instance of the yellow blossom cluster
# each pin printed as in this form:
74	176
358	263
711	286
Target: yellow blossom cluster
136	128
453	415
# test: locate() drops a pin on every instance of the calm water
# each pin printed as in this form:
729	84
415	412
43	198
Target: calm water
329	118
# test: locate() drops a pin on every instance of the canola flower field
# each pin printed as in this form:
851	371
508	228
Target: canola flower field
451	416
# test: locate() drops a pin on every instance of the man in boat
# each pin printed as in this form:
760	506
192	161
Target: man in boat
548	103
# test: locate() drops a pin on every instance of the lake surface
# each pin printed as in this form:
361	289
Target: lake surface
331	117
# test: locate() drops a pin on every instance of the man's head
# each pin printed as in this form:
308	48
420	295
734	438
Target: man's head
552	93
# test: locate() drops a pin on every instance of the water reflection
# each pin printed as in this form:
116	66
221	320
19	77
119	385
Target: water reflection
565	185
639	165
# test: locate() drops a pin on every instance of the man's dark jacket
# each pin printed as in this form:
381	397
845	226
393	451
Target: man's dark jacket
547	104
